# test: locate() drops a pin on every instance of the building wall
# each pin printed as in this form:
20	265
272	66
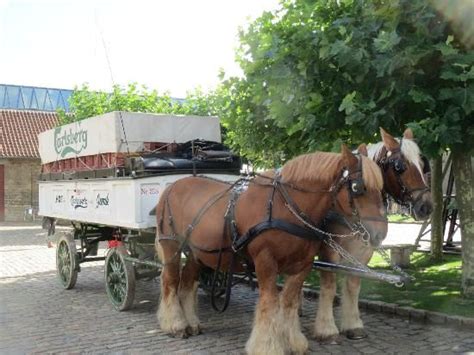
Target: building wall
20	186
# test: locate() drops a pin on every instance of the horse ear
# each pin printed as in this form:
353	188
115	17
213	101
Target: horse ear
348	158
408	134
388	141
362	149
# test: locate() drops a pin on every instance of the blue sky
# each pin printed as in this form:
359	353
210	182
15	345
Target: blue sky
173	45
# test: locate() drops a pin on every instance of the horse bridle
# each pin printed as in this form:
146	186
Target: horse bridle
393	159
356	187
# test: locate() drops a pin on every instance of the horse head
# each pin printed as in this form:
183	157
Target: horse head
403	171
358	203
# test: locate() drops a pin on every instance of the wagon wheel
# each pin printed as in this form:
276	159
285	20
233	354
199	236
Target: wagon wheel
119	279
67	261
205	281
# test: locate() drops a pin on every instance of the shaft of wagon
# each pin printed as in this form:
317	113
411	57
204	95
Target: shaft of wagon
353	271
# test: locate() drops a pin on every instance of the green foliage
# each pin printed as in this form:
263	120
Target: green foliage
86	103
318	72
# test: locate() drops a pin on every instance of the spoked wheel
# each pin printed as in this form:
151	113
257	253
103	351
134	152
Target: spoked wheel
205	281
119	279
67	261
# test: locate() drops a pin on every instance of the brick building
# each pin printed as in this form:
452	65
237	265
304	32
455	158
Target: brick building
24	112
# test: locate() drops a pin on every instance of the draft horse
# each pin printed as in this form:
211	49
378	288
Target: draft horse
403	169
271	222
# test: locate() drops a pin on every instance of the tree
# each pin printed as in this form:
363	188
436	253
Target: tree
318	72
86	103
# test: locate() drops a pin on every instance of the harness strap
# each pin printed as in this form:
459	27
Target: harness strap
196	219
287	198
210	251
230	271
280	224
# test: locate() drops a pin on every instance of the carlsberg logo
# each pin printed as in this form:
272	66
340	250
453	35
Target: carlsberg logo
69	141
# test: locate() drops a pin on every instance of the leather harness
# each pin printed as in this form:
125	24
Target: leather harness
312	233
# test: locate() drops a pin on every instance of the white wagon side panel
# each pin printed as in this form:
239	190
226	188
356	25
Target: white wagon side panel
121	202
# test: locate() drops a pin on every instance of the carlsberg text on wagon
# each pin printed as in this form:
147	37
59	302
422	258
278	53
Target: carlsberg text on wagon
69	140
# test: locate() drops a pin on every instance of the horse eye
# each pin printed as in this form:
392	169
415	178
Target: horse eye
398	165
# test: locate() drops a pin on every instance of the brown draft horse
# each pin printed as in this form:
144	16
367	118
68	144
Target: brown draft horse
402	169
191	214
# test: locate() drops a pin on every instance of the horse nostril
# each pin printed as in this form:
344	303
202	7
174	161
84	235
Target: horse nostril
377	239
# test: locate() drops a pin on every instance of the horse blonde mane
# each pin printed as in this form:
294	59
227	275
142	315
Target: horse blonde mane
410	151
313	167
371	174
323	167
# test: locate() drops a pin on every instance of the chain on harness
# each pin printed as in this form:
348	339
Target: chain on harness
399	167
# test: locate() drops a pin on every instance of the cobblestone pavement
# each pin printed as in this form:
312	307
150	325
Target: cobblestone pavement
38	316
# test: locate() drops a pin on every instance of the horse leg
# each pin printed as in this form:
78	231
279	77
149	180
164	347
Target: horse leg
351	324
325	329
170	314
300	307
188	295
266	336
290	302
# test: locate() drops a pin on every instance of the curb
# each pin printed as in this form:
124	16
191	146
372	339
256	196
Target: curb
405	312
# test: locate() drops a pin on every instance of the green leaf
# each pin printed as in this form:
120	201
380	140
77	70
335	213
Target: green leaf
347	103
446	49
450	75
419	96
354	117
338	47
295	128
386	41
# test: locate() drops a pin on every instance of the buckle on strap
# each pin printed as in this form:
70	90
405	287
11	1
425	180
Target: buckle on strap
167	237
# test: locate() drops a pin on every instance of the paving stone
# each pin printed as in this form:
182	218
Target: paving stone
403	311
38	316
436	317
418	315
375	306
389	308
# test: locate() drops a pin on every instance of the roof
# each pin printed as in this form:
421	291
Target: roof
19	131
19	97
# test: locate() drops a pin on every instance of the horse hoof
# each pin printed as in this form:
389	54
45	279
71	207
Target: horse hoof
193	330
180	334
356	334
329	340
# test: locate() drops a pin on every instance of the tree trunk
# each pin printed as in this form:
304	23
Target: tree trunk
463	179
437	214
